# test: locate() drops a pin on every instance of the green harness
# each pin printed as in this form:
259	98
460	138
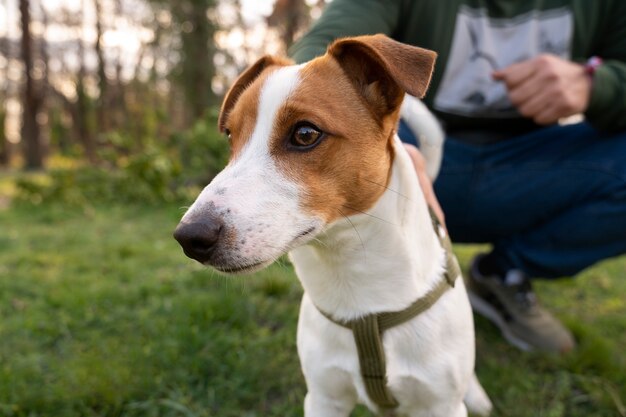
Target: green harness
368	330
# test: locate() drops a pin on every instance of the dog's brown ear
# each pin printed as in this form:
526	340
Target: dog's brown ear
243	81
384	69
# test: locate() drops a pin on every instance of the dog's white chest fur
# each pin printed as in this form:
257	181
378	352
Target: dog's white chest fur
378	261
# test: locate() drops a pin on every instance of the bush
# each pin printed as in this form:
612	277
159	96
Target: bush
203	151
156	171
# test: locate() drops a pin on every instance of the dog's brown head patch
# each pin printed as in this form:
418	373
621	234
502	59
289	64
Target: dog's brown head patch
346	104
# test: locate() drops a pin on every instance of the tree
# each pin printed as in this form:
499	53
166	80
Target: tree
31	136
102	78
291	17
4	96
196	70
83	110
4	144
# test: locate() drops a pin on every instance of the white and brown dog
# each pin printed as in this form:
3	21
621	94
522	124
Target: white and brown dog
317	170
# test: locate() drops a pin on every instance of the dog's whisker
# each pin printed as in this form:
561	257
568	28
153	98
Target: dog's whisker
321	242
280	262
280	248
234	284
387	188
368	214
358	235
283	263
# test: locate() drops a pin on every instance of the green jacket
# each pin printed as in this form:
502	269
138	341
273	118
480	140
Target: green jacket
475	37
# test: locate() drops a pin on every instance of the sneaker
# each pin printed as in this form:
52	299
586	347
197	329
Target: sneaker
512	306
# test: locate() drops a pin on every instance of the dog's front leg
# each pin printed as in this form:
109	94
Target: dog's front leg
317	404
329	364
445	410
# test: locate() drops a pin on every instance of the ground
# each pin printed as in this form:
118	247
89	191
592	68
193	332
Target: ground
102	315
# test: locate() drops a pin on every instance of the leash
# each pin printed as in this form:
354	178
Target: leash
368	330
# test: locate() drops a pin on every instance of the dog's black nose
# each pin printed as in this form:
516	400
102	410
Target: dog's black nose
199	238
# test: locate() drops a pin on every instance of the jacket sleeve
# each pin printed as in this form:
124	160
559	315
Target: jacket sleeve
607	106
343	18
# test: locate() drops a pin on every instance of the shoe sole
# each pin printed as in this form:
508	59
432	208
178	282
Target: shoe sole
485	309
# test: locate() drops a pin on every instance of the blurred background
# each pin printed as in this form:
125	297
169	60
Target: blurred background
97	82
108	131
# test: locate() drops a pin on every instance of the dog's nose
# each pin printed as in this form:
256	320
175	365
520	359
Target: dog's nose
199	238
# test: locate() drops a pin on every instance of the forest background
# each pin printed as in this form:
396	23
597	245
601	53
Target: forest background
108	115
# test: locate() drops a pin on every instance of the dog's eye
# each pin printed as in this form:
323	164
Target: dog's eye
227	134
305	136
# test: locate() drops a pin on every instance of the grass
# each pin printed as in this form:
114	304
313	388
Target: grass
102	315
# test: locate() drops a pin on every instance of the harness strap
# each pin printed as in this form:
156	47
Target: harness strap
369	344
368	330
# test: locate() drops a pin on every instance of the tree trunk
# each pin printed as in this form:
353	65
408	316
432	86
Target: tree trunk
33	152
196	68
4	143
199	62
5	50
83	110
289	16
101	103
44	84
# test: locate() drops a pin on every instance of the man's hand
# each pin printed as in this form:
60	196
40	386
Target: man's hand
547	88
427	187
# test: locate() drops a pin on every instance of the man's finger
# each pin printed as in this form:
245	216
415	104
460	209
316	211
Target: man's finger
525	91
515	74
535	105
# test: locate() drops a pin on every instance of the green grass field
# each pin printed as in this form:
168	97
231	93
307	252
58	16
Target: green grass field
102	315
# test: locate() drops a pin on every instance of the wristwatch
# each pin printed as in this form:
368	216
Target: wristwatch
592	65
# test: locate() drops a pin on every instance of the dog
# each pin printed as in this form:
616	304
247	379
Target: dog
316	170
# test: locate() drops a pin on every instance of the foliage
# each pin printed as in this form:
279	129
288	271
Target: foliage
203	151
102	315
151	173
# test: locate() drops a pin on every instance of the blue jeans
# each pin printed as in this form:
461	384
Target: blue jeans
551	202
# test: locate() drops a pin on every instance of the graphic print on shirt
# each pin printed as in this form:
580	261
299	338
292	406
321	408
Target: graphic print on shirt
482	45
